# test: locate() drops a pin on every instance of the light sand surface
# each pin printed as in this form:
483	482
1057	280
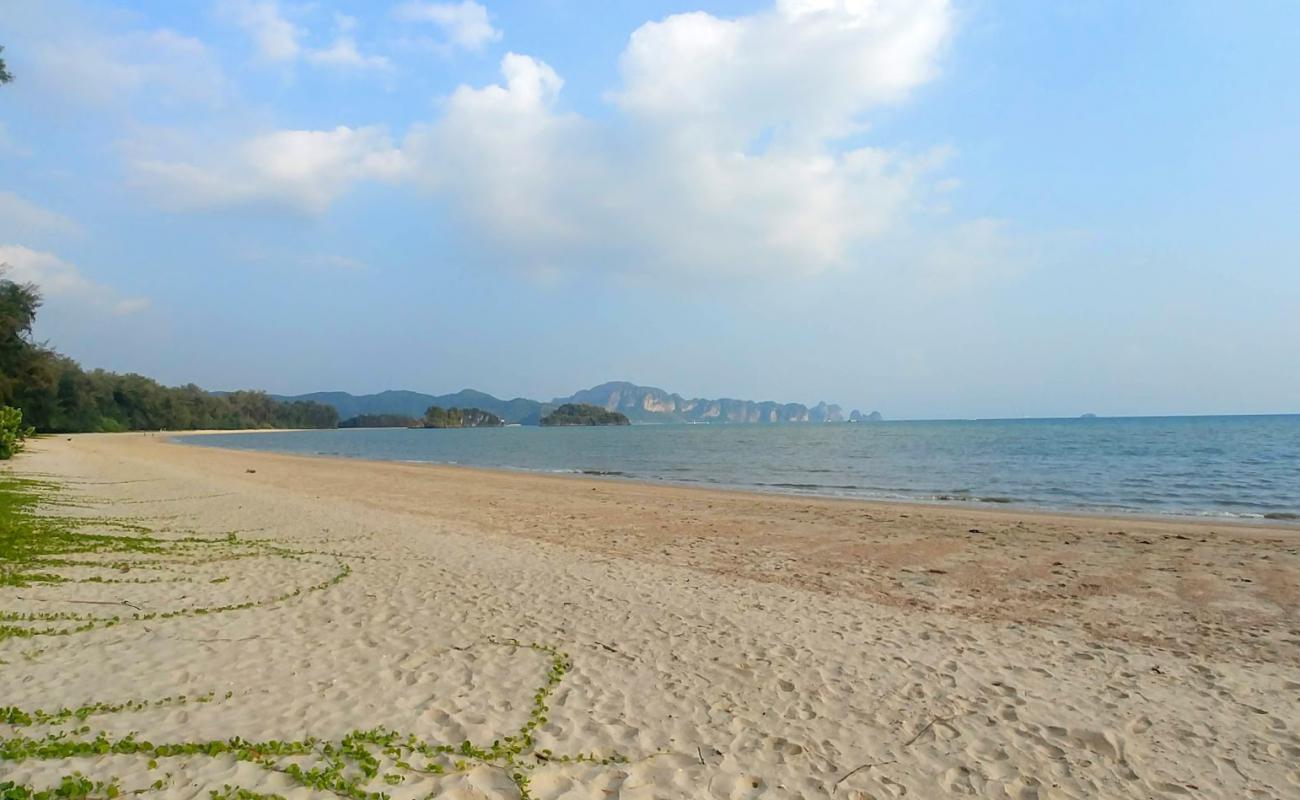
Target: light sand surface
727	645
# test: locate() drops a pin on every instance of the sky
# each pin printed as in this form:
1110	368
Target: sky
935	209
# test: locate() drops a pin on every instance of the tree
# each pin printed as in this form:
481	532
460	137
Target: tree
18	355
5	76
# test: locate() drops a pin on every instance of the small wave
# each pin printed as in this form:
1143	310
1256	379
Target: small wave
1282	515
966	498
816	487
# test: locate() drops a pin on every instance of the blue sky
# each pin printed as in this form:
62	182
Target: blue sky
937	209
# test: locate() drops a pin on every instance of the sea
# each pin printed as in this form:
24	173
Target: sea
1242	467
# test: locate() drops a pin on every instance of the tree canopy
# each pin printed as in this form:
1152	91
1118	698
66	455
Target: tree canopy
583	414
5	75
438	417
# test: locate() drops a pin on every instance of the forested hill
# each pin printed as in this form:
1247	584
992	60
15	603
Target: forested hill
639	403
573	414
414	404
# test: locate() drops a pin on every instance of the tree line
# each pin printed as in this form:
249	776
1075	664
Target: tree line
56	395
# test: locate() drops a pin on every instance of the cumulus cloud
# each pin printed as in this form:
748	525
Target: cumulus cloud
507	158
804	71
729	156
302	170
738	145
465	25
62	282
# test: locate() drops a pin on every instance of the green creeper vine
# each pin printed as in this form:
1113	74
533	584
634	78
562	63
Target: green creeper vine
35	547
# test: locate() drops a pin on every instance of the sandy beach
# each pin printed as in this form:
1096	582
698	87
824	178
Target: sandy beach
490	635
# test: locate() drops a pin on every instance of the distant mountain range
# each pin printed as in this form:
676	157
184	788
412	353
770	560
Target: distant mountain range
641	404
414	404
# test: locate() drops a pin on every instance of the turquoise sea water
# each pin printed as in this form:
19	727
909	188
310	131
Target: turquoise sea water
1242	466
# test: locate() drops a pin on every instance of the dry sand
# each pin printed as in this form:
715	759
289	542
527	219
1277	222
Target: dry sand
728	645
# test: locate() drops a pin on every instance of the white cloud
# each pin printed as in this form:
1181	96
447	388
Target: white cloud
804	71
21	219
63	282
277	38
298	169
280	40
89	67
729	156
508	158
728	152
465	25
344	53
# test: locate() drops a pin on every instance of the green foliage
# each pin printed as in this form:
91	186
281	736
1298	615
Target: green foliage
5	76
57	395
583	414
35	546
438	417
381	421
12	431
71	787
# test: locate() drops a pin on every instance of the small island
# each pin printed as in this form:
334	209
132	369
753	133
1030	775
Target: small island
583	414
438	417
434	417
381	421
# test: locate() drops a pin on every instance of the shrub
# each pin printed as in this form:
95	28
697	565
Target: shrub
12	431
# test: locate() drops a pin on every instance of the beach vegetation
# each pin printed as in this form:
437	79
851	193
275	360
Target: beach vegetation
39	546
12	431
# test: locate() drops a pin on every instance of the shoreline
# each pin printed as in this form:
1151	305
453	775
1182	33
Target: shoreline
570	638
974	505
